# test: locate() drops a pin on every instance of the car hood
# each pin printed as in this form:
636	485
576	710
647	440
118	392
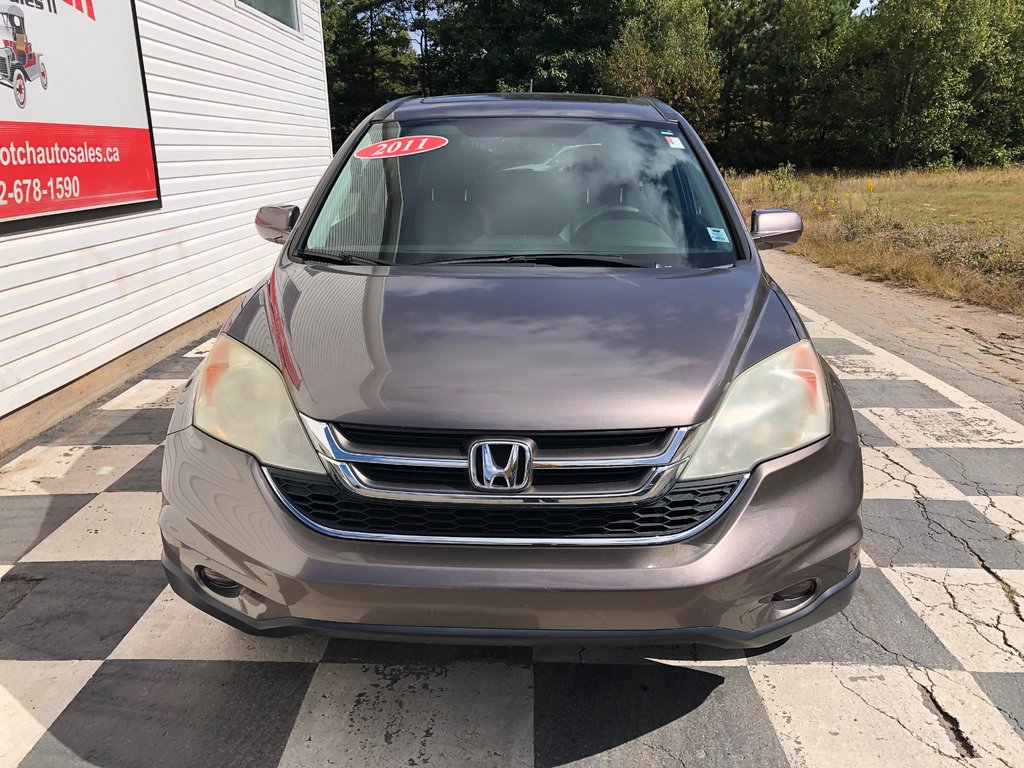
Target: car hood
513	347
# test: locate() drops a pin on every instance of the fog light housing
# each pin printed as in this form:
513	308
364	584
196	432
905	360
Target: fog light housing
217	582
796	592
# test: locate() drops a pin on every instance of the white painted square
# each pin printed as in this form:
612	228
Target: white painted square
202	350
32	695
976	427
149	393
899	364
895	473
969	611
462	713
820	330
51	469
865	367
819	326
882	716
4	569
173	629
1005	511
113	526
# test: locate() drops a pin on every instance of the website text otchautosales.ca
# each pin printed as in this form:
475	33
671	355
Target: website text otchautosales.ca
27	153
32	189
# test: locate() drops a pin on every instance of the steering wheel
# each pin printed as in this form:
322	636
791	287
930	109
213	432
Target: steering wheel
616	212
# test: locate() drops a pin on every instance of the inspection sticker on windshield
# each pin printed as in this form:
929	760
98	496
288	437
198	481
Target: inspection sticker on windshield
718	235
674	141
407	145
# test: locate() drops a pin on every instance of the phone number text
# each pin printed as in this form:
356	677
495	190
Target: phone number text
21	191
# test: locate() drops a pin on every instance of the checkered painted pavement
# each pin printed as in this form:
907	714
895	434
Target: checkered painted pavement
101	665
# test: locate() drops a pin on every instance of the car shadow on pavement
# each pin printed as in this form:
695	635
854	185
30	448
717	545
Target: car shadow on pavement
559	705
583	710
595	700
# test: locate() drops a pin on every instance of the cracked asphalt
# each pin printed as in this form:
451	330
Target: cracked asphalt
101	665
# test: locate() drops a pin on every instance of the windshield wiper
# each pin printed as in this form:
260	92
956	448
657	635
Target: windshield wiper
581	259
340	258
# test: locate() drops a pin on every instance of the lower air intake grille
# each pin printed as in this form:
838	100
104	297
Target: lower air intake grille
321	501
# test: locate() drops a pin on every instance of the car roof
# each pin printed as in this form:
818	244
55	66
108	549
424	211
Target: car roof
525	105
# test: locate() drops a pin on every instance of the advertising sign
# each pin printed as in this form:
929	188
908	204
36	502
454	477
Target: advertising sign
75	133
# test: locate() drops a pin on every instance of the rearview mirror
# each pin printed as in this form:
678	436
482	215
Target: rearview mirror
775	227
274	222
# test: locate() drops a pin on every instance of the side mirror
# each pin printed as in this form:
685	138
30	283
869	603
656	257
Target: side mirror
274	222
775	227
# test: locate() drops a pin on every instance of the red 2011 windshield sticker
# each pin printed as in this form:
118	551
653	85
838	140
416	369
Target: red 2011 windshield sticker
407	145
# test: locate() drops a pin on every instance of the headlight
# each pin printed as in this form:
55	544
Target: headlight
242	400
772	408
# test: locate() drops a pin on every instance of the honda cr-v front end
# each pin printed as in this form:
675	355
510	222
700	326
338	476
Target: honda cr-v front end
518	375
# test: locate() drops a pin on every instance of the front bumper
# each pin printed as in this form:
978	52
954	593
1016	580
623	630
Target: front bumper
828	603
797	518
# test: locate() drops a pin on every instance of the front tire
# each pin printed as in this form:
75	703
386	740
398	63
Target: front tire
20	84
43	77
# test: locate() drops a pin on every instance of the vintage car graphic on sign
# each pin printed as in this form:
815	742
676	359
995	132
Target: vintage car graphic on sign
19	63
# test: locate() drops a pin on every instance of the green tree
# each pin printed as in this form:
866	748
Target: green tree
666	52
551	45
777	64
994	130
911	64
369	59
810	82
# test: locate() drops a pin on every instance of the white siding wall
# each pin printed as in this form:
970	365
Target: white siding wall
239	108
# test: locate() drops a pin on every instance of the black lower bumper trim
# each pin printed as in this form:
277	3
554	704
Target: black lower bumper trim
828	603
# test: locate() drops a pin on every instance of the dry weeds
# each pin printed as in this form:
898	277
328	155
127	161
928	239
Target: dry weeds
957	234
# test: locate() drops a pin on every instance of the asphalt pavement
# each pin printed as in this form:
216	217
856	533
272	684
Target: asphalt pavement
100	665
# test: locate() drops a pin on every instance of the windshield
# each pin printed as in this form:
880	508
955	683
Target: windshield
479	188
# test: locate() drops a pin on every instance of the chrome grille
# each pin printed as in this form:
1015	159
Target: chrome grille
686	508
591	487
432	466
384	439
456	478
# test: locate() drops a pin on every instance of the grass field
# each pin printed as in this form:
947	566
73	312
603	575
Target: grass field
957	234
